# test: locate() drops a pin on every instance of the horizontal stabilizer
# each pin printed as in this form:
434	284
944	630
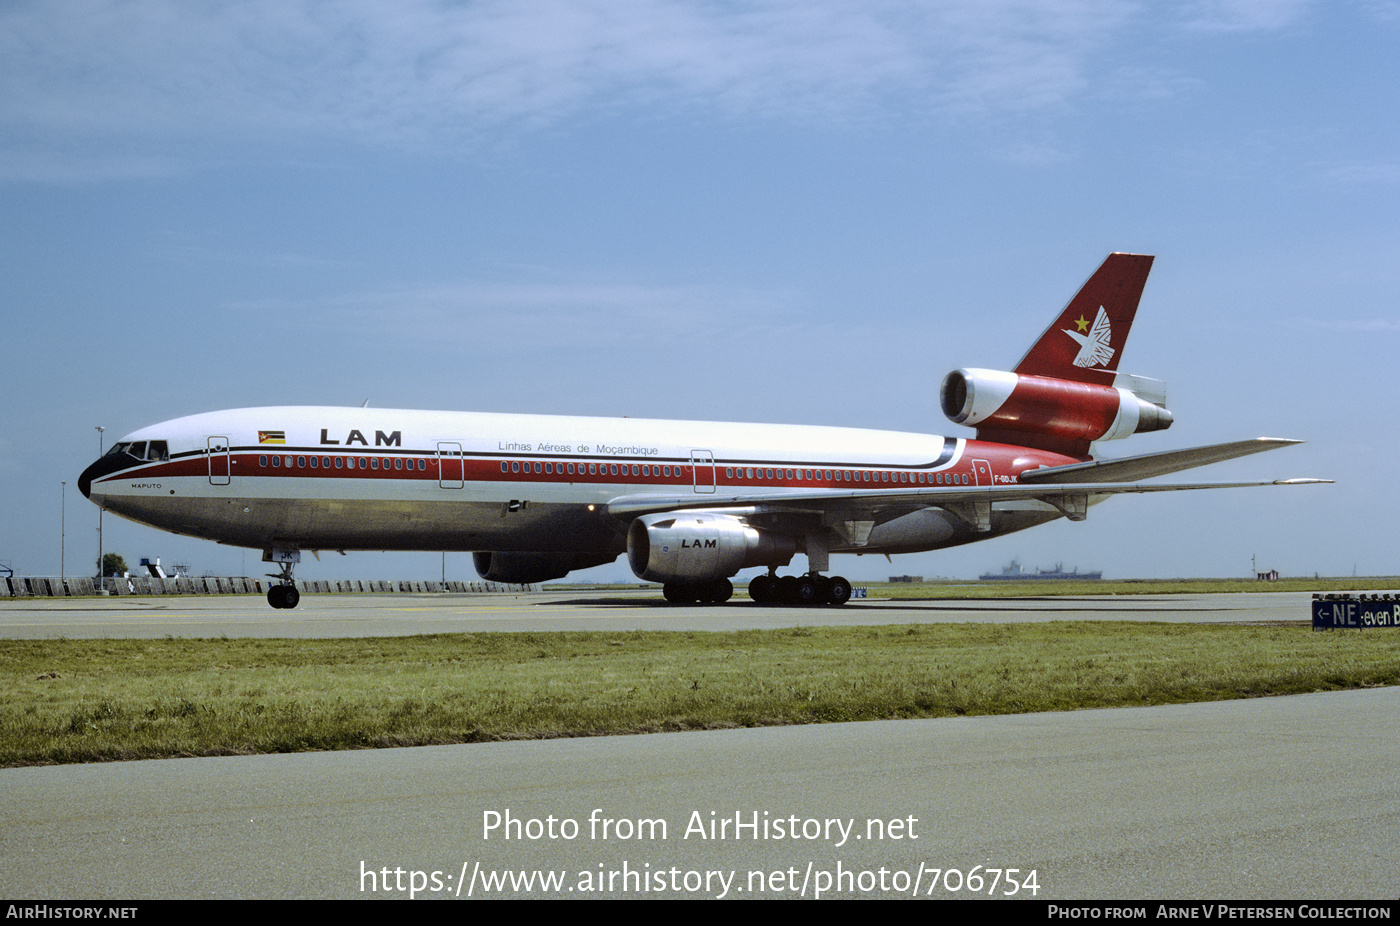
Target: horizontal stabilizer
1148	465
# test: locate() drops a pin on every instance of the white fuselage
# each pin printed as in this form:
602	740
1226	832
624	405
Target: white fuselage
393	479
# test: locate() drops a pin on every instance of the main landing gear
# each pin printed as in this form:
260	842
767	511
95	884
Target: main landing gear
810	589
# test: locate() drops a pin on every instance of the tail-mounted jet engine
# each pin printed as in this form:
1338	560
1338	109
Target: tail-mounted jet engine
694	554
1069	413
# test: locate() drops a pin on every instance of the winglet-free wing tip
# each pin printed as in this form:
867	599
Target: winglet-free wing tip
1303	482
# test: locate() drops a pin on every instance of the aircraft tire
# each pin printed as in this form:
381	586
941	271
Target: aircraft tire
763	589
290	596
274	596
840	591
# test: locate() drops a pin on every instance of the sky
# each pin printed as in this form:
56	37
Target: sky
799	211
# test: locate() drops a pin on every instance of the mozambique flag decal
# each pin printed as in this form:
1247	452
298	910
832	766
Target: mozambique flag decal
272	437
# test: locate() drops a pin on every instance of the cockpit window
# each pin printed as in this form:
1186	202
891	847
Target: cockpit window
142	450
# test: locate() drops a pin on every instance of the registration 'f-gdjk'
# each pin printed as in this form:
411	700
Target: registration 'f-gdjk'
691	503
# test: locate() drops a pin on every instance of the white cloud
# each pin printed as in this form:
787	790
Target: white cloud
1384	172
1245	15
575	314
83	73
1367	325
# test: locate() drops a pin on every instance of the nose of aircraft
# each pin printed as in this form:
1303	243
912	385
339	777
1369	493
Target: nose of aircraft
99	468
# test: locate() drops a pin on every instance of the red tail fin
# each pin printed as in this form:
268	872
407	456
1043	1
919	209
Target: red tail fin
1084	342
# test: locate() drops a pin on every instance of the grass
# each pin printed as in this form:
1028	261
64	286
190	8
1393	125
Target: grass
67	701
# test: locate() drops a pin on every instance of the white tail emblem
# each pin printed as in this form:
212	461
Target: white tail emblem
1094	349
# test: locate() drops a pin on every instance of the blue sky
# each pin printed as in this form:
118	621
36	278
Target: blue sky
792	211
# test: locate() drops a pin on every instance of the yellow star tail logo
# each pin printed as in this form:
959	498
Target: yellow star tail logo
1095	347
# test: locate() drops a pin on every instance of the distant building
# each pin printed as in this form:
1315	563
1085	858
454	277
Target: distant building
913	580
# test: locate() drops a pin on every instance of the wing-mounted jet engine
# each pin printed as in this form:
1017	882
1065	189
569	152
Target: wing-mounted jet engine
529	568
695	553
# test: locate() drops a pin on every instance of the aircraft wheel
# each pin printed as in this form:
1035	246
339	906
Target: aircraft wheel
290	596
675	592
722	591
274	596
763	588
840	591
807	591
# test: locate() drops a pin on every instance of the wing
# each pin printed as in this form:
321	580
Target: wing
1067	488
1148	465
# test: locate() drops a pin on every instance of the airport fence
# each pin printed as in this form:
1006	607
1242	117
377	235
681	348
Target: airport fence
52	587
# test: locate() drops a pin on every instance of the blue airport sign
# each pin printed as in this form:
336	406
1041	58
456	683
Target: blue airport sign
1357	613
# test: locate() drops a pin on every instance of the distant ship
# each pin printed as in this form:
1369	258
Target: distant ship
1012	571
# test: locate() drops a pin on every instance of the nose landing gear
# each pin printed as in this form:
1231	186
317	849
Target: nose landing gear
284	594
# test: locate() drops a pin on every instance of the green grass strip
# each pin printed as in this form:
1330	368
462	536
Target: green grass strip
67	701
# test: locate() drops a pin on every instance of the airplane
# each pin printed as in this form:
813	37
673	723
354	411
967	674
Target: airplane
691	503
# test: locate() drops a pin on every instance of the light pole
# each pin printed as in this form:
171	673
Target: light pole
63	530
101	584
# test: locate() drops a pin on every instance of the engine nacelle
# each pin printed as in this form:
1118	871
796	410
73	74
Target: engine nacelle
691	547
1045	405
525	568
